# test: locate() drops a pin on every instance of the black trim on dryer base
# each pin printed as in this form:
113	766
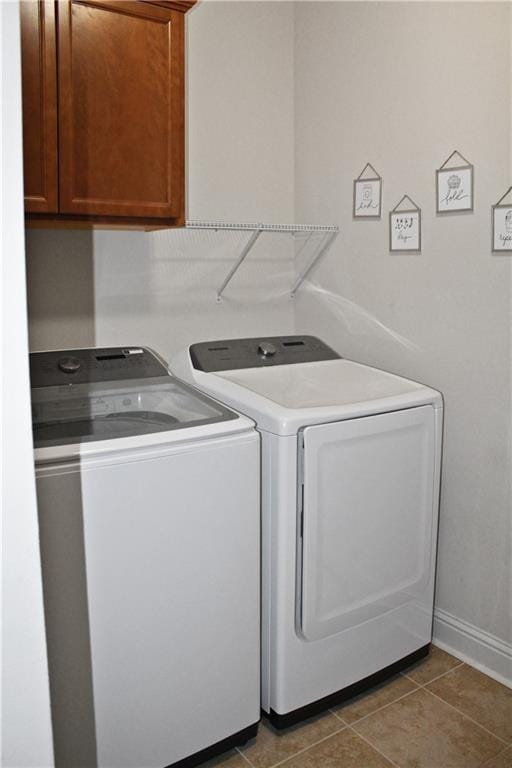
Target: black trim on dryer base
235	740
302	713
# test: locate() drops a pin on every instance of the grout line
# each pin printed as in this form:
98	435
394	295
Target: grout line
443	674
424	687
338	716
305	749
460	664
491	759
503	741
383	754
384	706
418	686
243	756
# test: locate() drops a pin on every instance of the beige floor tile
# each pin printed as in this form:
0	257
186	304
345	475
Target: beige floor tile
375	698
420	731
504	760
478	696
343	750
436	663
229	760
271	746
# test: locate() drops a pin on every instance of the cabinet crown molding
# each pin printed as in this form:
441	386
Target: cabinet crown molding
174	5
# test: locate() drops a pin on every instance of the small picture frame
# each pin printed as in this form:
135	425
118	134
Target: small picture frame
405	227
454	186
502	225
367	199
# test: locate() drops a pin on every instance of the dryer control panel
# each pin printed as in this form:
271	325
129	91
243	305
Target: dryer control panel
233	354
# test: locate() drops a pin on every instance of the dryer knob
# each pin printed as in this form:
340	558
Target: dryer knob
266	349
69	364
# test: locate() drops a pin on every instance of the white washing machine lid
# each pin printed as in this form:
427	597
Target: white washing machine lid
117	400
111	410
282	399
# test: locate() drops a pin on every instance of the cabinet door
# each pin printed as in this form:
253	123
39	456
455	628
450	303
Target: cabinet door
121	109
39	72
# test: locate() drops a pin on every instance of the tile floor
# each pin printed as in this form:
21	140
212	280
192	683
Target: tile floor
440	713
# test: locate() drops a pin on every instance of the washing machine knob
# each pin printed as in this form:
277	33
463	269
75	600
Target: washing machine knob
69	364
266	349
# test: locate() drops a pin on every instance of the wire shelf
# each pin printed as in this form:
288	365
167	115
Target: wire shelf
256	229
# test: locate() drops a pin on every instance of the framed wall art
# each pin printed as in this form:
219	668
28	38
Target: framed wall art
405	226
454	185
367	201
502	223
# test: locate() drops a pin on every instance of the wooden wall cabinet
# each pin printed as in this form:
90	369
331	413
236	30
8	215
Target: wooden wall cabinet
103	111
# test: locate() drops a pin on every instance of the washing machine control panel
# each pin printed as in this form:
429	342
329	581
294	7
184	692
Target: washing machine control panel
233	354
81	366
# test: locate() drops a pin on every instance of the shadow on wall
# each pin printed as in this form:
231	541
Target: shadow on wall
356	320
357	333
158	289
60	285
96	289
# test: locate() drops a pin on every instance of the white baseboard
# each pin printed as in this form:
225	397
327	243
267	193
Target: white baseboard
477	648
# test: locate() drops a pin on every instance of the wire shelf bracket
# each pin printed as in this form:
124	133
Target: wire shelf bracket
321	250
329	234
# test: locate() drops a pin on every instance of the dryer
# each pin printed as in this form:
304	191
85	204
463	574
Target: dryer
149	517
350	488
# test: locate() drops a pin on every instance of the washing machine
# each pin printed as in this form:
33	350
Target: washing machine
149	515
350	488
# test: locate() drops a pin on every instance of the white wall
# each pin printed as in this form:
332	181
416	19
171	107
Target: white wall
401	85
159	288
25	728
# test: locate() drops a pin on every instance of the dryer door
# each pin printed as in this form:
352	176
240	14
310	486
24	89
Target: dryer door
368	515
